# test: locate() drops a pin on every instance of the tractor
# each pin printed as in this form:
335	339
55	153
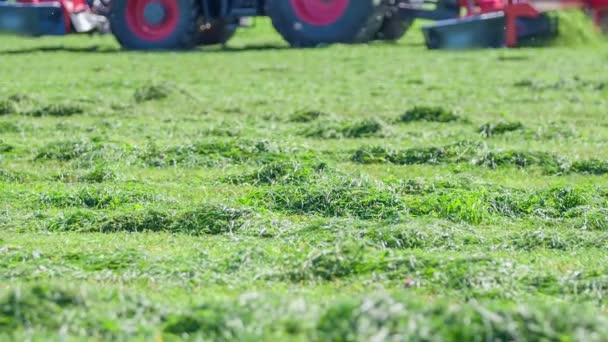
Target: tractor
185	24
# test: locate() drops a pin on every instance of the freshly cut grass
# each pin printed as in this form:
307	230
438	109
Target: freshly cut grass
429	114
200	210
330	197
576	29
47	309
355	129
57	109
305	116
281	172
591	166
152	92
459	151
473	154
207	219
66	150
501	127
213	153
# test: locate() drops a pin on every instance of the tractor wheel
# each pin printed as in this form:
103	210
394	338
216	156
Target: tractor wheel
218	33
306	23
603	22
393	27
155	24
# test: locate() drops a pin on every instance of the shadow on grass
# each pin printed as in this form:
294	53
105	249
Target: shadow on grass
105	49
95	49
60	48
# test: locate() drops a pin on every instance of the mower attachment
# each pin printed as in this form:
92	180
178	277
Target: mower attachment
32	19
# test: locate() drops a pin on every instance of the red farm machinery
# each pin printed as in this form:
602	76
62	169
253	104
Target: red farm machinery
184	24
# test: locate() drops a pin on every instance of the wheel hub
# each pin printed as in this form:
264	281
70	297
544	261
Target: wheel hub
320	12
152	20
154	13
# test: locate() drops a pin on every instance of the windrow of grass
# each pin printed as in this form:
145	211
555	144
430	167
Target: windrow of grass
476	154
294	188
47	309
23	104
316	189
96	153
485	274
199	220
86	152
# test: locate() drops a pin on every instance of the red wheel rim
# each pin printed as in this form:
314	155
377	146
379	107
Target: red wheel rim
152	20
320	12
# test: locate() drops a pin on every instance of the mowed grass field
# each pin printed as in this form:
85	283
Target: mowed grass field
376	192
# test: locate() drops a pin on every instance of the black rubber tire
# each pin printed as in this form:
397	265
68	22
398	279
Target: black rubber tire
184	36
359	24
393	27
219	33
604	23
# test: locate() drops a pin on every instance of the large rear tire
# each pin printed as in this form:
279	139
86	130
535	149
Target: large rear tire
155	24
393	27
603	22
306	23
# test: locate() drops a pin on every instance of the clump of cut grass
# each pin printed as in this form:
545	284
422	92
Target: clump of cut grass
547	161
99	174
595	219
4	147
212	153
8	127
330	197
66	150
564	200
555	202
470	152
14	103
152	92
222	132
119	260
26	105
501	127
358	129
281	172
214	320
57	109
590	166
340	261
205	219
457	206
35	306
151	220
429	114
13	176
378	154
94	198
305	116
7	107
553	131
21	98
211	219
419	155
540	238
408	237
